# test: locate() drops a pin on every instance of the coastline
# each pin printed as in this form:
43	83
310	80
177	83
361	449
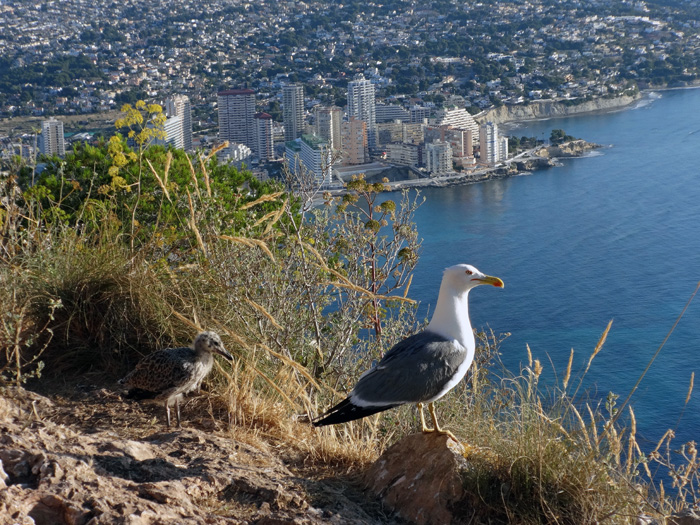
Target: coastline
542	157
593	107
539	158
536	160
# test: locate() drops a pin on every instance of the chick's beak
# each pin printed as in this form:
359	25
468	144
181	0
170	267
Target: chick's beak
224	353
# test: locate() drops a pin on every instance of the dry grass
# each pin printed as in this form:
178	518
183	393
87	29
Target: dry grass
293	322
547	455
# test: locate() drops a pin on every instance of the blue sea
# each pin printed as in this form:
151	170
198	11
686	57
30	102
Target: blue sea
611	236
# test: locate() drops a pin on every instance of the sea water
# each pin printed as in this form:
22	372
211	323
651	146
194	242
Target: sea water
611	236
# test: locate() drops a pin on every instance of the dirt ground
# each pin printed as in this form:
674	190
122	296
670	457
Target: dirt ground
87	456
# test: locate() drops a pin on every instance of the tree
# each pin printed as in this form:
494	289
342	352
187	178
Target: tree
558	136
143	187
379	247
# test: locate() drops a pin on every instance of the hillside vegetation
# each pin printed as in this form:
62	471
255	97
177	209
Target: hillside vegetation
114	252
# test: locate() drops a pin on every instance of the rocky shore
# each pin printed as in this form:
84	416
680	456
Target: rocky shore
551	108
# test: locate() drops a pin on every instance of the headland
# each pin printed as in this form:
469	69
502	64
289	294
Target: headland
531	160
534	159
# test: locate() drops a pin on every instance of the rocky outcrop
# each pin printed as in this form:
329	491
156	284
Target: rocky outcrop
420	478
551	108
573	148
533	164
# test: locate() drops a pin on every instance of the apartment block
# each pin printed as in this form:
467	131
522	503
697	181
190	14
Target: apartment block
293	111
179	106
52	141
236	116
390	113
355	141
264	142
328	125
312	155
361	105
438	158
403	154
458	118
493	149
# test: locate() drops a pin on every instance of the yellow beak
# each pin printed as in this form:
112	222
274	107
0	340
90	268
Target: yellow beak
487	279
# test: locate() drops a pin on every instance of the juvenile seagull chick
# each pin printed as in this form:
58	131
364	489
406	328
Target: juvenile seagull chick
423	367
165	375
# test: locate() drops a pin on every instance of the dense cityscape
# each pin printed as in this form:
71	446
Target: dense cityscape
425	64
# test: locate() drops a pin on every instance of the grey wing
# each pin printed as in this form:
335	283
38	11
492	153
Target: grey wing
163	370
414	370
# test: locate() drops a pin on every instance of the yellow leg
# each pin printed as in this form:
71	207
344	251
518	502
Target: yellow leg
436	426
422	418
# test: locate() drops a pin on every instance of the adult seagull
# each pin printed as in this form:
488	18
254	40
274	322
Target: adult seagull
423	367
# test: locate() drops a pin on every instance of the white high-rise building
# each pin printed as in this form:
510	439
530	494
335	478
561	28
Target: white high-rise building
236	116
179	106
174	135
328	126
311	154
264	143
493	149
361	105
503	148
438	158
293	111
52	140
458	118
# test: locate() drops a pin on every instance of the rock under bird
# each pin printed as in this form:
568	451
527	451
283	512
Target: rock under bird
167	374
425	366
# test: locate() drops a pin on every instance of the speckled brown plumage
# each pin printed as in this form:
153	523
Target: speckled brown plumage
165	375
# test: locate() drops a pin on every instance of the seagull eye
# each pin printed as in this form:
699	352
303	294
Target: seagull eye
468	272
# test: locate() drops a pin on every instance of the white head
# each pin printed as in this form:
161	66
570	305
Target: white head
211	342
463	277
451	316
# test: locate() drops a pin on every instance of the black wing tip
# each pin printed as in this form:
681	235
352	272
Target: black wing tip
347	411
